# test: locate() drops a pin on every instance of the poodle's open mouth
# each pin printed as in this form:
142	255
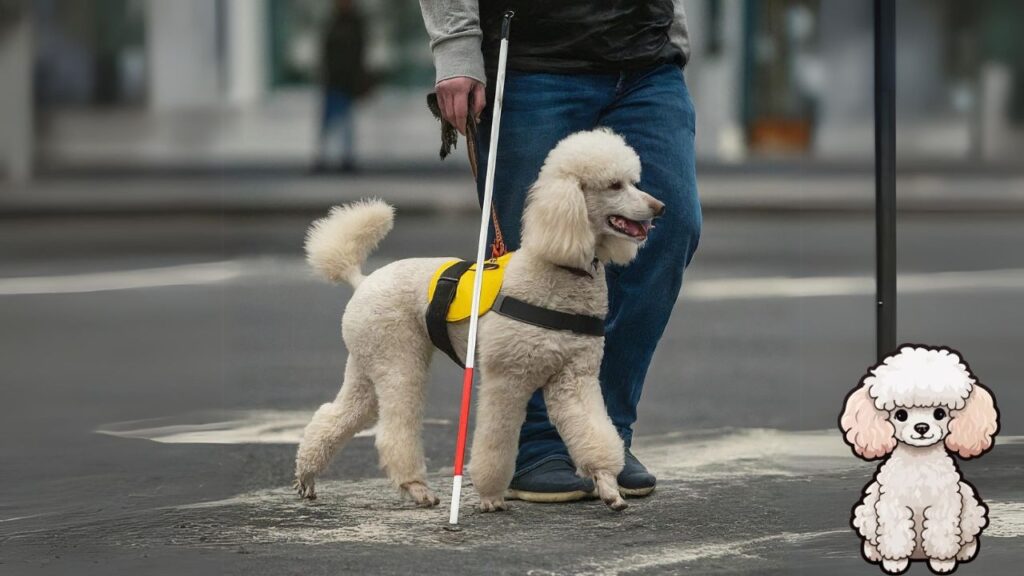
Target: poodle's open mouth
929	437
635	229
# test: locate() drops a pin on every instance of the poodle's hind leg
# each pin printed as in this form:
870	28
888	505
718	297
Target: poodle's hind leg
973	519
334	424
577	410
500	414
968	551
871	552
400	390
865	519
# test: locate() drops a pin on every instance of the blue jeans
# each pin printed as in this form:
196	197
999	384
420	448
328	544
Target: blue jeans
336	117
652	110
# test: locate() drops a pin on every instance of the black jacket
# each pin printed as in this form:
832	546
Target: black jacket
580	35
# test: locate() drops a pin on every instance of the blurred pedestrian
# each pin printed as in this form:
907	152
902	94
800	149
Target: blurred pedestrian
345	79
576	65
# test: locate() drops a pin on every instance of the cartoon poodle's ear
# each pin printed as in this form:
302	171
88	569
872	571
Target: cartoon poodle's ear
556	223
867	428
972	429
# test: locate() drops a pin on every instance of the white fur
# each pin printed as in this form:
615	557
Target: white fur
586	178
920	377
918	507
338	245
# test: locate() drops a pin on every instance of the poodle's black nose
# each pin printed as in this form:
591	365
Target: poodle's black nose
921	429
657	206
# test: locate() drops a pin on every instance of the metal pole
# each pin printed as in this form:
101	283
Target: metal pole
885	176
467	377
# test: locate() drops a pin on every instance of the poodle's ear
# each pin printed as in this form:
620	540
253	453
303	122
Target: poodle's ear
972	428
556	223
867	428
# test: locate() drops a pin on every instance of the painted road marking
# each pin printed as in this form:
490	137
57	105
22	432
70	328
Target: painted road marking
819	286
672	554
1005	519
226	427
183	275
704	454
716	289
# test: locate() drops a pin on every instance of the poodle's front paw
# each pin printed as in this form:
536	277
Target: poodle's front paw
942	566
306	487
493	504
616	503
871	552
895	566
608	491
968	551
420	494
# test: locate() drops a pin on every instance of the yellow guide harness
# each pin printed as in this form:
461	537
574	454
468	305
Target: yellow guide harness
450	295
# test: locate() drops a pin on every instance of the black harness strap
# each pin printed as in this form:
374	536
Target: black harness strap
437	310
546	318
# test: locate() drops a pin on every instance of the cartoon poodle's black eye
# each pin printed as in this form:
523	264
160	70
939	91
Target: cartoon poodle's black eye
901	415
617	185
939	414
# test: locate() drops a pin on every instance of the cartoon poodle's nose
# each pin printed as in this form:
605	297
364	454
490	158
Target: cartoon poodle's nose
921	429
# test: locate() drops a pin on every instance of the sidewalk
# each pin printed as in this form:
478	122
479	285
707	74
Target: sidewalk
447	190
254	160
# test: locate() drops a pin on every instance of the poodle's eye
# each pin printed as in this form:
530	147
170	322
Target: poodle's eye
617	185
901	415
939	414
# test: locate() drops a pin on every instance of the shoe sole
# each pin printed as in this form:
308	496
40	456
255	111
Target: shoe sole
549	497
635	492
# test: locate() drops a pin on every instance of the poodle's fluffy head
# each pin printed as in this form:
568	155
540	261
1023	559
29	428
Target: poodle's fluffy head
920	396
585	203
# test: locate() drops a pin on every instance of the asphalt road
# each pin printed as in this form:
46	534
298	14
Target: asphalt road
156	373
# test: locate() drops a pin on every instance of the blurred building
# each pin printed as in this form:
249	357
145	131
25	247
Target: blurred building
188	82
796	77
231	82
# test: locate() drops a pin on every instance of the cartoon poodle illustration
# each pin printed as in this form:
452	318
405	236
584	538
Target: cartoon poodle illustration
913	409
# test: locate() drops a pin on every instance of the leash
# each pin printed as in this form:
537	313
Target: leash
449	141
498	247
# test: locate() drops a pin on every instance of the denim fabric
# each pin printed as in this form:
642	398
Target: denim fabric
336	121
652	110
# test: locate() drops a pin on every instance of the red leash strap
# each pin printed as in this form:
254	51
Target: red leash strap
498	247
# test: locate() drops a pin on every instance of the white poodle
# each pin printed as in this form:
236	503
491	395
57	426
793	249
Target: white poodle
911	409
583	211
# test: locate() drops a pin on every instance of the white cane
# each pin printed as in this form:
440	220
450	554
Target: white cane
467	379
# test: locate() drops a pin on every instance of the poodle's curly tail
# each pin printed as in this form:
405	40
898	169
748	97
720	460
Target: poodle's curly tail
337	246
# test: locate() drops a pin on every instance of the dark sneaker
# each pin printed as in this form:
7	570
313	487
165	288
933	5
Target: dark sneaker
634	480
552	480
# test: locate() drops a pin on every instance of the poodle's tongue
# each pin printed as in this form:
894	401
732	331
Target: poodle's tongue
630	227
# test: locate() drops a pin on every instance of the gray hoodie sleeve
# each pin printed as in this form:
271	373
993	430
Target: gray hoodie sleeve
679	33
454	29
